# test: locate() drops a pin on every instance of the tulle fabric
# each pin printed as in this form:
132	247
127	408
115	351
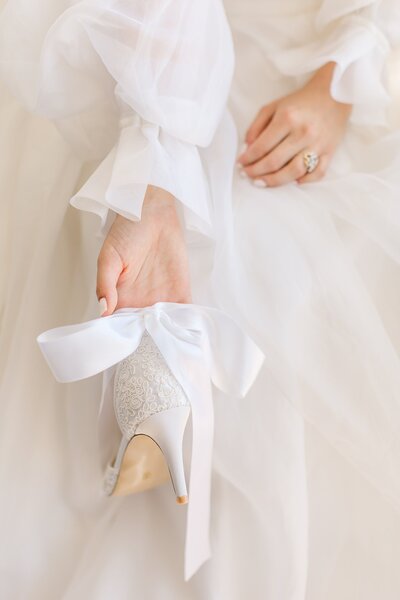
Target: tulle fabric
325	320
306	483
158	72
143	53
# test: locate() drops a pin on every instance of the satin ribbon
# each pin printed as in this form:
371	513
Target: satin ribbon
201	346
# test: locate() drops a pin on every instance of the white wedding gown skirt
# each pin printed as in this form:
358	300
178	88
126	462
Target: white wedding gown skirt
306	483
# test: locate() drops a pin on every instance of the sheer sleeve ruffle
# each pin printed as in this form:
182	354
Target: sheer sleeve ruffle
145	154
144	83
357	36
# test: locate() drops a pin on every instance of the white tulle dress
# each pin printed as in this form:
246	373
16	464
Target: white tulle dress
100	98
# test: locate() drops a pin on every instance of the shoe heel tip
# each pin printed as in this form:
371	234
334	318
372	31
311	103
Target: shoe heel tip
182	499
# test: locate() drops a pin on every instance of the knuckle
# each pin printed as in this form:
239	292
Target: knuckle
290	115
309	130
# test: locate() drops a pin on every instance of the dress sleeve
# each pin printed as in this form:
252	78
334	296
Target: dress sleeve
357	35
146	79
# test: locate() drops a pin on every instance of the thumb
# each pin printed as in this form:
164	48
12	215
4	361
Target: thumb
109	268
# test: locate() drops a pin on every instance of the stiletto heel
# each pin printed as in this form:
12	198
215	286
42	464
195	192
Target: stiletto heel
152	412
167	429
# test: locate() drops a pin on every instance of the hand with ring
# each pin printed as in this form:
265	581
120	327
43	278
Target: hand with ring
295	137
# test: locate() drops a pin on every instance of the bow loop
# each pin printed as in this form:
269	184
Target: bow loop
234	358
192	336
76	352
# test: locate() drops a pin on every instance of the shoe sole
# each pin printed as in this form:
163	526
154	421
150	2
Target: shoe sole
143	467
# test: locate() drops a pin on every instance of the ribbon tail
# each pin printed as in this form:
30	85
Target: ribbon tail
190	367
198	549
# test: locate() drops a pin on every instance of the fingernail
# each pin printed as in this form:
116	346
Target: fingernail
243	174
102	306
260	183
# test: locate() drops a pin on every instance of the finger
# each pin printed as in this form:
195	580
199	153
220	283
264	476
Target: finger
274	134
109	268
260	122
319	172
277	159
293	171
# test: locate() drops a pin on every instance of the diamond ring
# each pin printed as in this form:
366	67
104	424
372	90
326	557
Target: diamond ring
311	160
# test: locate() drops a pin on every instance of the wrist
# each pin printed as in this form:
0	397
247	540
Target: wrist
156	200
159	206
158	212
321	83
322	78
159	198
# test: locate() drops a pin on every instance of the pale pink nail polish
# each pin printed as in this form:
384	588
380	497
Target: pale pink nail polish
260	183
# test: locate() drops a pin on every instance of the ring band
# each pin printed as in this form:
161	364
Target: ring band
311	160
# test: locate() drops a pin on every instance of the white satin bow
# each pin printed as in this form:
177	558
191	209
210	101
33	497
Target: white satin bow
200	345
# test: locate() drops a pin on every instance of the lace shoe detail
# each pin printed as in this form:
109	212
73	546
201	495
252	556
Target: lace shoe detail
144	385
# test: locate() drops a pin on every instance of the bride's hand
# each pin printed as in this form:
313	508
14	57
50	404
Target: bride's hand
309	120
144	262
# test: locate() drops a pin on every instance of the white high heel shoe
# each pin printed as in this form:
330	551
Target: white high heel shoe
154	393
152	411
